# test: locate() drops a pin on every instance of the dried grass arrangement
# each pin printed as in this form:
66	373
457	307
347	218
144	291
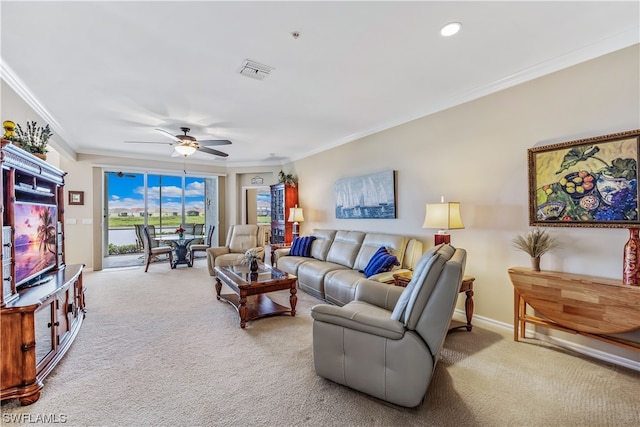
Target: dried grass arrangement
536	243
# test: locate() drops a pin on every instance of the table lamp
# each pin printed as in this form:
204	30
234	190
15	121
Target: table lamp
443	216
295	216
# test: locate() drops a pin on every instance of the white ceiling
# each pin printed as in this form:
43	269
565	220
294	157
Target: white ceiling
104	72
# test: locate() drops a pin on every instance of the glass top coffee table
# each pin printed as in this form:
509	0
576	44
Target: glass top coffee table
249	290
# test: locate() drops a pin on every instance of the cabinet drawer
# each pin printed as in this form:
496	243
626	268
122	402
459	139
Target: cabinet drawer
59	240
6	243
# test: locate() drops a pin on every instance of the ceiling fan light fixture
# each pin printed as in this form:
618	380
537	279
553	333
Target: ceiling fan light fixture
185	150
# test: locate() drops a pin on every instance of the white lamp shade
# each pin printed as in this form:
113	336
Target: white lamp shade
443	216
185	150
295	215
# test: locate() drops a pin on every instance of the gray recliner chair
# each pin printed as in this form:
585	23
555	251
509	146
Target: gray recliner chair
387	341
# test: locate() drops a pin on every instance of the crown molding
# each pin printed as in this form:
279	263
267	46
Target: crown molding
20	88
624	39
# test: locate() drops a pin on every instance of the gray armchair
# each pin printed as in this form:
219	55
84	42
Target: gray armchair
386	342
240	239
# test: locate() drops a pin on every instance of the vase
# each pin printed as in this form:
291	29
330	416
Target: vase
608	186
253	266
535	263
40	156
181	235
630	266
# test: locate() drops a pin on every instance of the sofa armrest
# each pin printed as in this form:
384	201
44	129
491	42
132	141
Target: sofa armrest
354	319
379	294
279	253
212	253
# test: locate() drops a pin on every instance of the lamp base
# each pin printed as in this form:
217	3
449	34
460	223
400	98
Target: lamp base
441	238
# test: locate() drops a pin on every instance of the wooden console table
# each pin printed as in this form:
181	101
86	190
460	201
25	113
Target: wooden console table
585	305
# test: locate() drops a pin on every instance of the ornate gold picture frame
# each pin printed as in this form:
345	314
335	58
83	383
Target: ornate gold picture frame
590	182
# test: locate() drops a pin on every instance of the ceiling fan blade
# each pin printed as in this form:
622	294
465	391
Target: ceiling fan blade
164	132
212	151
148	142
210	142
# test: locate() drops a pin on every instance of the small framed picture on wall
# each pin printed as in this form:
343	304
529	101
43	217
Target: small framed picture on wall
76	197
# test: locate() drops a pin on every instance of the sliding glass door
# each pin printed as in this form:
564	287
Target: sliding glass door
164	202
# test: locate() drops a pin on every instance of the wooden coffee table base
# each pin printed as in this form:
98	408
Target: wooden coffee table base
256	306
249	289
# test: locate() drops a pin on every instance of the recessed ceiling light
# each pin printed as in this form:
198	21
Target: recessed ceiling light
450	29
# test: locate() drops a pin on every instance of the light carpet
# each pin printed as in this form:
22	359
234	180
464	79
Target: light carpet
158	349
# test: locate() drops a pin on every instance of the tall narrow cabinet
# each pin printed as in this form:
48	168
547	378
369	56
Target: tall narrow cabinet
283	197
42	298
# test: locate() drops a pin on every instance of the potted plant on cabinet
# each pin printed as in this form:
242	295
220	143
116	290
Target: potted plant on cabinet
34	140
287	178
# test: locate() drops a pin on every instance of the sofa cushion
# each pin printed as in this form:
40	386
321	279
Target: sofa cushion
422	268
242	237
311	274
345	247
301	246
226	260
395	244
340	285
322	243
409	291
290	264
381	261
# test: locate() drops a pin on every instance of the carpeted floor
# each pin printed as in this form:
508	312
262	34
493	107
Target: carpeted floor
158	349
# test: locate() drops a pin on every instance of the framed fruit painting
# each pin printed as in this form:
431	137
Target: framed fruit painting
590	182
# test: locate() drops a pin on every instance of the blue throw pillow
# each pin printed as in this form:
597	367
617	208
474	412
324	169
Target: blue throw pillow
380	262
301	246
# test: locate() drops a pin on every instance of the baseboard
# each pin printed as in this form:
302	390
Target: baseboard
459	315
588	351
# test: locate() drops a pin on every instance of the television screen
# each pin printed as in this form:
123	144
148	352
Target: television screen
34	240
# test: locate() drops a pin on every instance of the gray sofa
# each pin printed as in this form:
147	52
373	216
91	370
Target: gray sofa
333	272
387	341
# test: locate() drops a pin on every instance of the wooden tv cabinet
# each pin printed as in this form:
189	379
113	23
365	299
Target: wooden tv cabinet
595	307
37	329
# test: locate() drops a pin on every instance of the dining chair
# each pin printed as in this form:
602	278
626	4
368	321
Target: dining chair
201	247
139	237
152	252
198	230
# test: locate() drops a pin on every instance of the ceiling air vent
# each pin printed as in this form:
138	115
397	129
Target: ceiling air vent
254	69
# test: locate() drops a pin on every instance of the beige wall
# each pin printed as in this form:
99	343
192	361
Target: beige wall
474	153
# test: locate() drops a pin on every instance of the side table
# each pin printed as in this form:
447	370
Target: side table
274	248
403	279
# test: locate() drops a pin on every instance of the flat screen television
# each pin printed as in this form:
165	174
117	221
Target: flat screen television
34	240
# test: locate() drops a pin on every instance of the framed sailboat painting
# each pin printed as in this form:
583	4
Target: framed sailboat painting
366	196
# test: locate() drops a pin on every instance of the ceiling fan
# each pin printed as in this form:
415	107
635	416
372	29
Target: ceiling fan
185	145
122	174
